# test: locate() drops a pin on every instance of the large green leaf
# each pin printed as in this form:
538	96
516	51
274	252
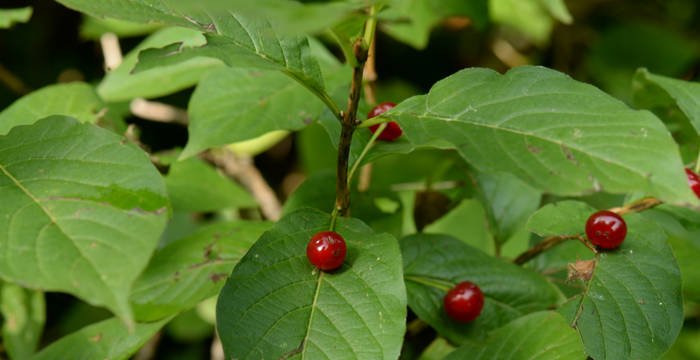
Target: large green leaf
632	308
24	315
191	269
9	17
420	16
108	339
120	84
556	134
295	17
231	105
543	336
435	263
236	39
76	99
194	185
82	211
651	91
276	304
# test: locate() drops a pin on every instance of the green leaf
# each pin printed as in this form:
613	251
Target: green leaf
194	185
632	308
9	17
231	105
76	99
120	84
93	28
254	44
566	217
191	269
651	90
469	214
421	16
532	18
508	202
556	134
556	218
82	211
292	16
276	304
236	39
108	339
437	350
685	243
24	315
435	263
544	335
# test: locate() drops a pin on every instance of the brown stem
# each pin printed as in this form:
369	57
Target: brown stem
541	247
637	206
243	171
342	190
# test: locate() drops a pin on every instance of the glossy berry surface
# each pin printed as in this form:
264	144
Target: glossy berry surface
392	130
606	229
464	302
693	181
326	250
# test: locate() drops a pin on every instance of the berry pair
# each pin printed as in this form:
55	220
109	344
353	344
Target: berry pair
326	250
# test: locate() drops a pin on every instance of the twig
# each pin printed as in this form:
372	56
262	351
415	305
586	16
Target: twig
242	170
541	247
637	206
111	50
148	350
370	79
342	191
131	136
370	75
157	111
505	52
13	82
217	350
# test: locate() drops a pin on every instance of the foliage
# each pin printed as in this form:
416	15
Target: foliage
153	236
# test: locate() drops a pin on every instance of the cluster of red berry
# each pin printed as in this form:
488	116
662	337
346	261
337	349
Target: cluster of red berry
464	302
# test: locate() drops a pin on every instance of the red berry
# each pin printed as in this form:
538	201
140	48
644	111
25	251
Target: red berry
326	250
380	109
464	302
606	229
693	181
392	130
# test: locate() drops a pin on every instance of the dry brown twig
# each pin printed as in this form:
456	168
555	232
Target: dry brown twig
157	111
111	50
243	171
